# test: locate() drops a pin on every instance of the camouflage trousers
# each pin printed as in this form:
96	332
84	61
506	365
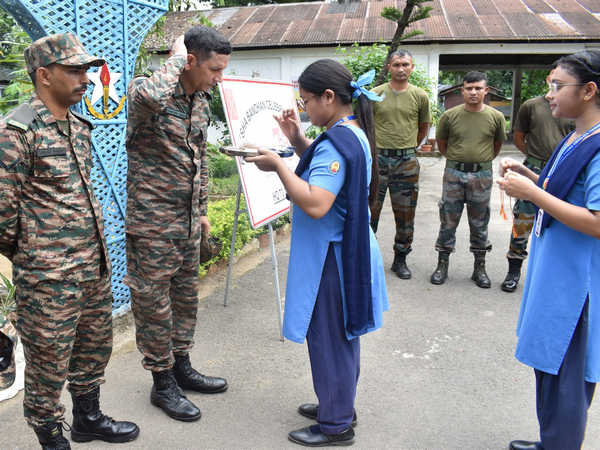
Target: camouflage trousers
523	218
401	175
66	330
474	189
163	277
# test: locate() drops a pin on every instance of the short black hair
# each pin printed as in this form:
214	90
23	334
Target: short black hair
201	41
473	77
401	54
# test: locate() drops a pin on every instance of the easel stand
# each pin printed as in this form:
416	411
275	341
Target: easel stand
273	260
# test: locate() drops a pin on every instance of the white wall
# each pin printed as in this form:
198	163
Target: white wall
288	63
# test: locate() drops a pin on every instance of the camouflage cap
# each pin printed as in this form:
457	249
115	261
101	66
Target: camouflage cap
8	339
64	48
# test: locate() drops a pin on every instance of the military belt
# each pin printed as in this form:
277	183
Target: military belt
469	167
536	162
396	151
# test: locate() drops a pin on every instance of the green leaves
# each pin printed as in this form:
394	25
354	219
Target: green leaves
7	301
392	14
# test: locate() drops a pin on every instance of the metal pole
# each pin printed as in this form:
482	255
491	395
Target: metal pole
276	278
235	222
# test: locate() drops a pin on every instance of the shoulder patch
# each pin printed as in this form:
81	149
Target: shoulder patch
83	119
334	166
22	117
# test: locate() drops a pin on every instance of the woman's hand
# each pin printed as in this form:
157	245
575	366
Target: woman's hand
289	123
517	185
266	160
507	164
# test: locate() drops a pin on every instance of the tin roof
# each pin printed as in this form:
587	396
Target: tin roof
327	24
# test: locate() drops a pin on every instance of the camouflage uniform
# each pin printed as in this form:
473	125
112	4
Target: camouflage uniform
399	167
51	228
167	187
474	189
470	137
401	175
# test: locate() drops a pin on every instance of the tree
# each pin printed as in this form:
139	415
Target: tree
180	5
13	41
403	20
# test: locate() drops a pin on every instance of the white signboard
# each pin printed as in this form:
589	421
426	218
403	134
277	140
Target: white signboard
249	105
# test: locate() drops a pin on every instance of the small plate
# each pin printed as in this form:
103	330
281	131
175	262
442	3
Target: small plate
284	152
239	151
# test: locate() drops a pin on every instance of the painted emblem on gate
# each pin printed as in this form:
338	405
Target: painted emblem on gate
104	87
334	167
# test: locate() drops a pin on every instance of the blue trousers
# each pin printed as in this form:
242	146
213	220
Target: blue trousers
563	400
334	360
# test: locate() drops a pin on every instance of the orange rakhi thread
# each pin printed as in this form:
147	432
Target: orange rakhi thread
502	210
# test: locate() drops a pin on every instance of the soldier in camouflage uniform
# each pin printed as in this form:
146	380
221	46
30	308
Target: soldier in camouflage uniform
470	136
537	133
401	124
167	187
51	228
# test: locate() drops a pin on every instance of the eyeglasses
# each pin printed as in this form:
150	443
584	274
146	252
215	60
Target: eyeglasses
302	103
555	87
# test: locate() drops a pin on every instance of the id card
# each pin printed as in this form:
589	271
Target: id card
538	222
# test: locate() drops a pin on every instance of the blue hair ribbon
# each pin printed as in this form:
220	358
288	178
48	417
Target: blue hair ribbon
363	80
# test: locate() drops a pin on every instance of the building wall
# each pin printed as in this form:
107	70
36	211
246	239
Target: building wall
287	63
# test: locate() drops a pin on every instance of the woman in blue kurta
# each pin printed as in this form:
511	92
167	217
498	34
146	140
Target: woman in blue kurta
559	322
336	288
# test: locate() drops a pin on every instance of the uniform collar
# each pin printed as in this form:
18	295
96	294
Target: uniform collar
180	91
38	105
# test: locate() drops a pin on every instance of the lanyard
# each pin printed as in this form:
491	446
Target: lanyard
565	151
346	119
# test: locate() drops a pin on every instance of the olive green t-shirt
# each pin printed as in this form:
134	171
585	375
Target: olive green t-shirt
471	135
65	126
398	115
544	131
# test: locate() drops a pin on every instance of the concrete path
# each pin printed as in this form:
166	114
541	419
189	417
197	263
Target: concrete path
440	374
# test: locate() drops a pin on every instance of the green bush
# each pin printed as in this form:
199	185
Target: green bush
221	215
7	301
219	164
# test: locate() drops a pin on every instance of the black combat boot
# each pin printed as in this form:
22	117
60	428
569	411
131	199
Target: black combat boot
51	437
399	266
89	423
511	281
166	394
441	273
479	276
188	378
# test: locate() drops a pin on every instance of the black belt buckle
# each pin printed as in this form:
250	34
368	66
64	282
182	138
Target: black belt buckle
465	167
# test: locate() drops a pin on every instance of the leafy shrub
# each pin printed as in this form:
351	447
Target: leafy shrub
221	216
219	164
7	299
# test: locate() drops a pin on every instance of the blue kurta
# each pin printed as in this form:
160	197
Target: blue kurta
564	268
311	238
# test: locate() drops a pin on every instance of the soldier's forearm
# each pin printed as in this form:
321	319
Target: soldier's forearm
153	93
